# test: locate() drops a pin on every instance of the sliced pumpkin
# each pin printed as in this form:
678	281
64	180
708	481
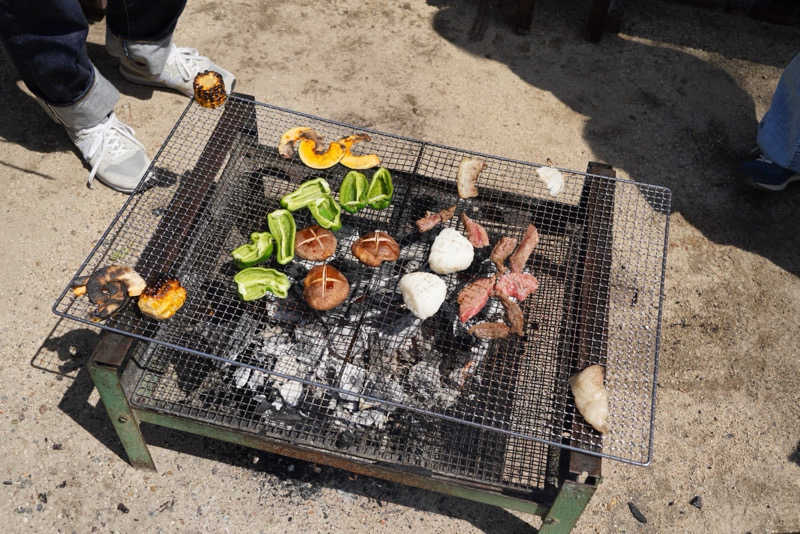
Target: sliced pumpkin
354	161
289	138
307	150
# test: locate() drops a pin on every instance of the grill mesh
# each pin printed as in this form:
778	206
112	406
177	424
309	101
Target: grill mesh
367	369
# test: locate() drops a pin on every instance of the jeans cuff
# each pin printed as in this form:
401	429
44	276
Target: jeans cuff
148	57
90	110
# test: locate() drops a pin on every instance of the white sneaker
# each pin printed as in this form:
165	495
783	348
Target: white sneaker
117	158
182	65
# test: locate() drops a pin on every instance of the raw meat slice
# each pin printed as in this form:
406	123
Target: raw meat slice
523	252
517	285
475	232
428	222
473	297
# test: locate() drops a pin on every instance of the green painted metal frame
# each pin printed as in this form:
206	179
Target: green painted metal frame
108	369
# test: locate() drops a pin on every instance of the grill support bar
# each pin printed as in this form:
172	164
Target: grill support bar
110	364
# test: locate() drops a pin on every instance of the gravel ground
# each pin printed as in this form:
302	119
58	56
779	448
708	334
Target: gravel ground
672	100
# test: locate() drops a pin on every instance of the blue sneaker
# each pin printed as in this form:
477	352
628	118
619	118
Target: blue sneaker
765	174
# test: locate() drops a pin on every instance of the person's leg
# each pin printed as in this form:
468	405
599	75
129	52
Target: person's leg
46	41
778	163
139	34
779	131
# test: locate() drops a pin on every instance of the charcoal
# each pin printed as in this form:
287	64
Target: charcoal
245	377
291	392
636	513
426	384
346	439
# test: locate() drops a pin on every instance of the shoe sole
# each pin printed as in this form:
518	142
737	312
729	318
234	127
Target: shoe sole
775	188
133	78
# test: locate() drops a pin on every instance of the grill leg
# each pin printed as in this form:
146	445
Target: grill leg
567	508
104	368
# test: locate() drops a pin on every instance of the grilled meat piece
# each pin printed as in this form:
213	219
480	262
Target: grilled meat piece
523	252
468	171
501	251
475	232
490	330
315	243
375	248
514	315
473	297
428	222
447	214
517	285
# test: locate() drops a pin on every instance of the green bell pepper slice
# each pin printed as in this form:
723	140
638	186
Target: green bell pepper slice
353	191
257	251
327	213
282	227
380	192
255	282
307	193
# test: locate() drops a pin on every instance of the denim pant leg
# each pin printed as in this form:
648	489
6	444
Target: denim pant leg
46	41
779	131
142	30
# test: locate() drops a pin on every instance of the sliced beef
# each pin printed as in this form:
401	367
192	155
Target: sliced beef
475	232
517	285
428	222
490	330
523	252
473	297
513	315
501	251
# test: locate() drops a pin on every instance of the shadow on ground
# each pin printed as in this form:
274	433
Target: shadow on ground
664	116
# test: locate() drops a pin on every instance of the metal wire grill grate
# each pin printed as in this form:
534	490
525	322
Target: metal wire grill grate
369	363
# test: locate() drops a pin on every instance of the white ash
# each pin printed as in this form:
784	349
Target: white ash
312	342
426	382
353	379
249	378
344	417
290	392
341	337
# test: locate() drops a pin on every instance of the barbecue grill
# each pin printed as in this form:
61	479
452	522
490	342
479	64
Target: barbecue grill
367	386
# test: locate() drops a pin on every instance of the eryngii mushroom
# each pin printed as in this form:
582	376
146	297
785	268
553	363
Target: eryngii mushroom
315	243
325	287
309	154
353	161
376	247
290	137
591	397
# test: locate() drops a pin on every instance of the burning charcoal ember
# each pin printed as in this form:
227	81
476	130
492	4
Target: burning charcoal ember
353	379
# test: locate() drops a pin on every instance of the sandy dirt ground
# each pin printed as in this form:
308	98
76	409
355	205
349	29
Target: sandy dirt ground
673	100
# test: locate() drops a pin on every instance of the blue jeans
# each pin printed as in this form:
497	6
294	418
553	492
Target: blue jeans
46	40
779	131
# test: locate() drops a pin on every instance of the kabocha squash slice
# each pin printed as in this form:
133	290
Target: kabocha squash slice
354	161
290	137
307	150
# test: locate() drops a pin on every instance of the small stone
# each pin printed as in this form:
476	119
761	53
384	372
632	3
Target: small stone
43	498
7	482
638	515
23	510
697	502
122	508
42	409
63	484
57	446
